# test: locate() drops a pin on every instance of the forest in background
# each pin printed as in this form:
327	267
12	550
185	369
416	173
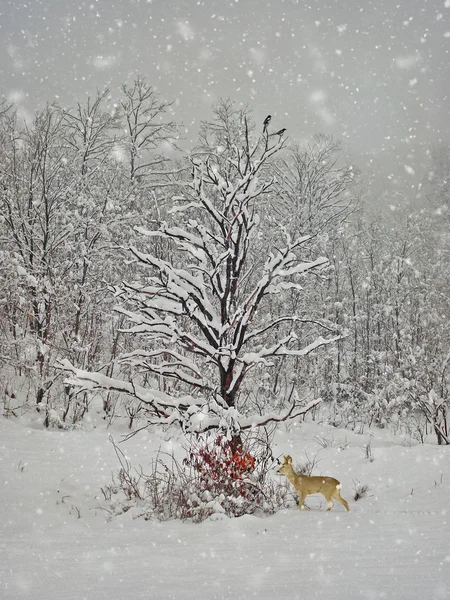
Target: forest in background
83	191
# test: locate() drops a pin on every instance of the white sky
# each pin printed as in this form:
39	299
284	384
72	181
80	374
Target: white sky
376	74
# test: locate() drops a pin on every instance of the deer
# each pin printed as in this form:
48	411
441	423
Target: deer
305	485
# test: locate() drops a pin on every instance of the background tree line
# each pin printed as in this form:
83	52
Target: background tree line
74	185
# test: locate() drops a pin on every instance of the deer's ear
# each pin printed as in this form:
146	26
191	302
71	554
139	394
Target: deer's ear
288	459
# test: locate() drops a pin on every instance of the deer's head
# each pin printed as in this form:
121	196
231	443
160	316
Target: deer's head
286	467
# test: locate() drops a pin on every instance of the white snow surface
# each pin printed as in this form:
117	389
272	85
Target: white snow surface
56	541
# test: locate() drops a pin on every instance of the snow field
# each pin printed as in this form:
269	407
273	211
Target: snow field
56	540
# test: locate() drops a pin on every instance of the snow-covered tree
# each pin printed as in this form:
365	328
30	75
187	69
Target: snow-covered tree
201	315
35	182
391	295
90	133
314	191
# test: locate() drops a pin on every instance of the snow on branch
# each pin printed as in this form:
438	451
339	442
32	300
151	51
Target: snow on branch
160	401
179	367
263	420
280	349
286	319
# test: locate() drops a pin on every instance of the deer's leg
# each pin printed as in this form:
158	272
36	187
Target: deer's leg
330	502
301	499
337	496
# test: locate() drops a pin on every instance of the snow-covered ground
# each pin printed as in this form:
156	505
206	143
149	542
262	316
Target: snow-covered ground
56	541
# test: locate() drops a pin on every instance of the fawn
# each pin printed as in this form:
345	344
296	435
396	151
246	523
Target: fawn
329	487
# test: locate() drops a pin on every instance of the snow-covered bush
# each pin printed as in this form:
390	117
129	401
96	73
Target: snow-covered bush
212	479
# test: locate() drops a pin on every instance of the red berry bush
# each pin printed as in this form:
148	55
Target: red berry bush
216	478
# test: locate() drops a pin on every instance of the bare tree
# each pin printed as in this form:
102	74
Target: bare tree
90	131
147	129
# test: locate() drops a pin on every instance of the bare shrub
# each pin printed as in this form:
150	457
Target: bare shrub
307	466
361	490
367	449
331	442
212	479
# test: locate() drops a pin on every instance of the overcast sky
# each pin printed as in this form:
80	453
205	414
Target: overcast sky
375	74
